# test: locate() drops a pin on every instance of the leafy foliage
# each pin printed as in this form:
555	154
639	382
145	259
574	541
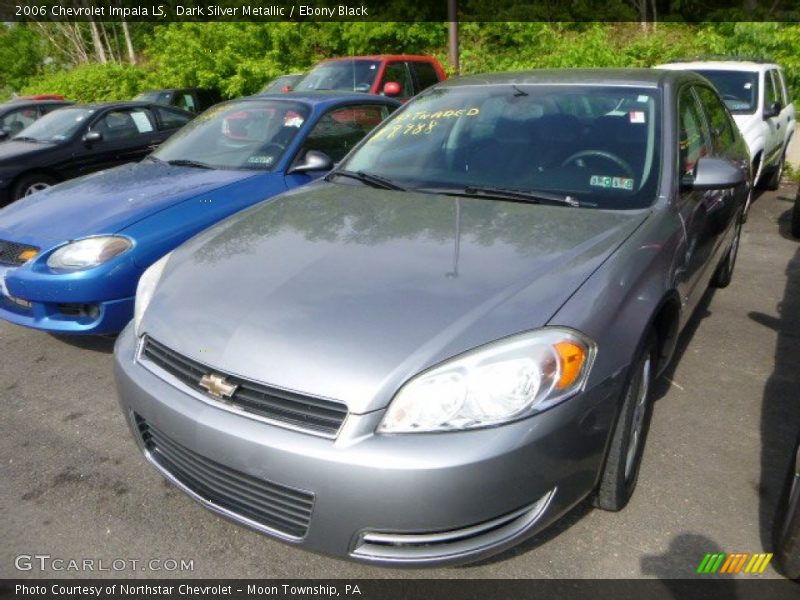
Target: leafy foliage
90	83
239	58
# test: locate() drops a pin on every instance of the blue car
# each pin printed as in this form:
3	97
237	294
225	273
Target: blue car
71	255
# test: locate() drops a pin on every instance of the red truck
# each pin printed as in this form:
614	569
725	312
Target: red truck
400	76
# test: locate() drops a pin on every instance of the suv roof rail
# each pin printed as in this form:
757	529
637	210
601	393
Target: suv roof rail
722	57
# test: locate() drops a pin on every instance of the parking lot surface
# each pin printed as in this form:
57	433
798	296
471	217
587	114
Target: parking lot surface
74	486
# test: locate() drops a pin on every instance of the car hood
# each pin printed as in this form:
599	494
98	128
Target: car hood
346	291
749	125
106	202
12	152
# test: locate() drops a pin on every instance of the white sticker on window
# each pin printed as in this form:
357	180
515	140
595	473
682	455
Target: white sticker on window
642	98
636	116
142	122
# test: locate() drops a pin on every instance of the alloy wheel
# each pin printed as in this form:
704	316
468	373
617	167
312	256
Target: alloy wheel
637	424
36	187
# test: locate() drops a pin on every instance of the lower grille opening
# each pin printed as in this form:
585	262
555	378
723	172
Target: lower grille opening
419	546
79	310
264	504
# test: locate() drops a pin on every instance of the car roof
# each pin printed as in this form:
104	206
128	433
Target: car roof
324	97
611	77
17	102
162	90
721	65
382	57
126	104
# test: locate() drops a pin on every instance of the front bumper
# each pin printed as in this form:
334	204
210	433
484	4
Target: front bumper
96	318
420	499
61	305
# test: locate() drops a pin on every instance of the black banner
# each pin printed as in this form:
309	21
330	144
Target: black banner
398	10
730	588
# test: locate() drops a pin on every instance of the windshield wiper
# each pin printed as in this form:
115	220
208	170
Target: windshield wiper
373	180
154	159
501	193
185	162
26	138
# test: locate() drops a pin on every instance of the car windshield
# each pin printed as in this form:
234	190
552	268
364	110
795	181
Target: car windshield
599	145
739	89
237	135
341	75
58	125
156	97
278	85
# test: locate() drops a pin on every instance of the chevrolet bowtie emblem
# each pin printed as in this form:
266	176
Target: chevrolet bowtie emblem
217	386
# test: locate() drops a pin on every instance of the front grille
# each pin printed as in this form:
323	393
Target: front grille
314	415
10	253
277	507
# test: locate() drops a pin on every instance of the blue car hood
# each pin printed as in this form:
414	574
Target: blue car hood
108	201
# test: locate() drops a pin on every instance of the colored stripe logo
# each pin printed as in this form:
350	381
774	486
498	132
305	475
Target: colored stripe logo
735	562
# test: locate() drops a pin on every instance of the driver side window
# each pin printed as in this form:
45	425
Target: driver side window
338	131
693	139
120	125
398	72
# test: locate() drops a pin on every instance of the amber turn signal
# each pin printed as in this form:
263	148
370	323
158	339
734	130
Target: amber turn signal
572	357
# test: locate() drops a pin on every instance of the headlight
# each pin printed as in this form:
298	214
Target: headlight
88	252
147	286
502	381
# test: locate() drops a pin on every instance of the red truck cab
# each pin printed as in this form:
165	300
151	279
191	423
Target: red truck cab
400	76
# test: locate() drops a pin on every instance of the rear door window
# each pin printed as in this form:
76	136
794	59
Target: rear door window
426	75
171	119
186	101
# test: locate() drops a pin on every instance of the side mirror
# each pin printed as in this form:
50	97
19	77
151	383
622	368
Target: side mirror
4	135
391	89
313	160
714	174
773	110
92	137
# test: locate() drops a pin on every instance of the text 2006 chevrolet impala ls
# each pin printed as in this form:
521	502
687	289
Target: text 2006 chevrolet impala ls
450	341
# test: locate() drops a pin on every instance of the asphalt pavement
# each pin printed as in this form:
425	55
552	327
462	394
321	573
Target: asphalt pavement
74	487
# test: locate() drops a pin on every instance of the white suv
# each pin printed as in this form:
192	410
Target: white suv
757	96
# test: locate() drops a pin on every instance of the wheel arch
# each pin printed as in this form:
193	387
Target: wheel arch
665	323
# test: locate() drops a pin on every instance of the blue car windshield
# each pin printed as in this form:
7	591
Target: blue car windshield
341	75
252	134
58	125
599	144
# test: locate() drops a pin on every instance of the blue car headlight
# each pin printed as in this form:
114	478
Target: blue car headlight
500	382
88	252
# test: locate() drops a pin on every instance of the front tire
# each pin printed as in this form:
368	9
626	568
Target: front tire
773	180
621	469
787	523
796	215
724	273
30	184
